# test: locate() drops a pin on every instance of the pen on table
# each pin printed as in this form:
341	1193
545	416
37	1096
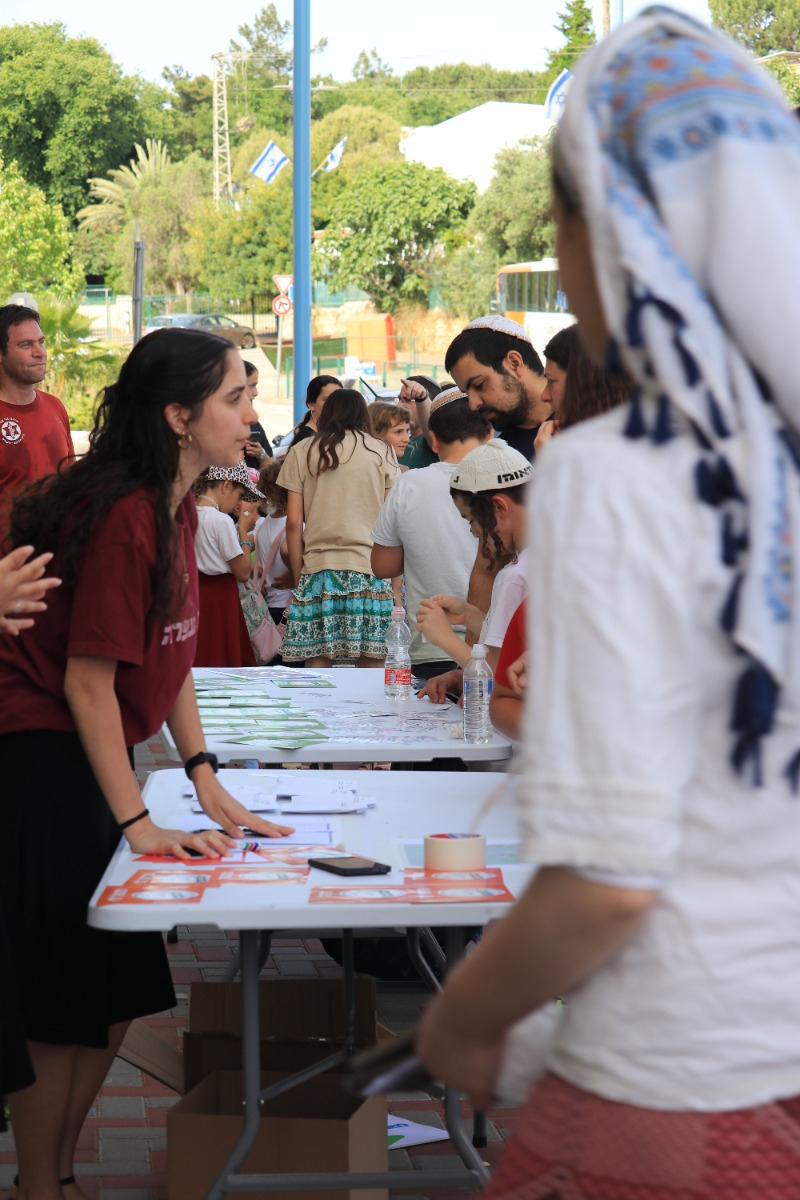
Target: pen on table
245	829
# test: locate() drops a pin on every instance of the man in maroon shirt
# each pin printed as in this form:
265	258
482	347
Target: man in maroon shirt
34	426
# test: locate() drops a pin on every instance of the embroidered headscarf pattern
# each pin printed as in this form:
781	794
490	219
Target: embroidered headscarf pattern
685	163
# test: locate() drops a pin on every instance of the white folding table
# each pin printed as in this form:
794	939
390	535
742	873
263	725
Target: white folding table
364	725
408	805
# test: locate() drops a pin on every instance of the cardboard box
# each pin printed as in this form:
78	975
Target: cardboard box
302	1021
145	1049
290	1010
315	1127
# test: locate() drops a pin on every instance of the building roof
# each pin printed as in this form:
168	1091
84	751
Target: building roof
466	146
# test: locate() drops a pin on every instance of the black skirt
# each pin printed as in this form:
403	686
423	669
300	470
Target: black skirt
15	1067
57	837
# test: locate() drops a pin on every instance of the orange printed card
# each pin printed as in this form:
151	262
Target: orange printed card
190	894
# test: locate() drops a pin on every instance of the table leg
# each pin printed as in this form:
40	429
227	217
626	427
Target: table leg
425	971
348	965
452	1098
251	1068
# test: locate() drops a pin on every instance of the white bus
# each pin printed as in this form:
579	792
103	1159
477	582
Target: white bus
530	293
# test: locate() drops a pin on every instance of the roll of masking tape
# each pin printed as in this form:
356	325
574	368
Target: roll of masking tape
455	852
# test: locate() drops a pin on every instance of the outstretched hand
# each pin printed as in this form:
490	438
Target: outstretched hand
436	689
145	837
22	588
220	806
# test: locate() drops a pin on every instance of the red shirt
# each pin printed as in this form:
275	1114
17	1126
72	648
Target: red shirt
513	646
107	615
33	440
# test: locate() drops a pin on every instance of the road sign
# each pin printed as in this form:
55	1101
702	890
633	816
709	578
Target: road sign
281	306
283	283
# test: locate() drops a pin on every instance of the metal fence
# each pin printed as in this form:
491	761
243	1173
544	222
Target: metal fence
112	314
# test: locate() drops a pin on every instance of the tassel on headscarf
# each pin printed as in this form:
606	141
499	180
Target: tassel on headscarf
753	715
635	426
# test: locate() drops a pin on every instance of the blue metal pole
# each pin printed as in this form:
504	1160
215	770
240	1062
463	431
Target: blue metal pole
301	353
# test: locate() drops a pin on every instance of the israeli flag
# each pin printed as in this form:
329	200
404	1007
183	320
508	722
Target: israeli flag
335	157
270	164
557	96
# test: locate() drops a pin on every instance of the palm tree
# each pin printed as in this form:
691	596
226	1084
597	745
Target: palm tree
77	366
118	197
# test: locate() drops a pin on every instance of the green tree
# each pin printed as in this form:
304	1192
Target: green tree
119	197
389	231
76	369
513	214
37	249
575	26
788	78
66	110
373	138
468	278
260	88
434	94
191	102
236	250
371	66
151	199
761	26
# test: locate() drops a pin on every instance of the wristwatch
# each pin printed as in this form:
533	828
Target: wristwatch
204	757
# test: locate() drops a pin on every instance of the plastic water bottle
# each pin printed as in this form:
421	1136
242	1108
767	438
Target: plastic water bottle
397	672
477	690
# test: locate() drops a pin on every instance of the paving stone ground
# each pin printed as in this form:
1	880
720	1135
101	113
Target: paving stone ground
122	1154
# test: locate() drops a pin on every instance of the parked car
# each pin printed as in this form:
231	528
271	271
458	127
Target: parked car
240	335
171	321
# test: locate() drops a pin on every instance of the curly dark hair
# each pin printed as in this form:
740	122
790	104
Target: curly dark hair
268	484
481	510
131	446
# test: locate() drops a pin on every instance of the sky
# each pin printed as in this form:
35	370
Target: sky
148	35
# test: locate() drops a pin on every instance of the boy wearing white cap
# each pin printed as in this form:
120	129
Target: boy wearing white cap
493	361
488	489
418	531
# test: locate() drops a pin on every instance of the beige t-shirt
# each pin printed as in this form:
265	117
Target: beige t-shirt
340	507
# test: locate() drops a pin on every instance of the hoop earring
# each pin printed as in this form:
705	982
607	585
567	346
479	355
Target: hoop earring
185	440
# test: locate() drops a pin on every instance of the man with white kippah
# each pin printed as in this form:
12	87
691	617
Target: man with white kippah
493	361
419	532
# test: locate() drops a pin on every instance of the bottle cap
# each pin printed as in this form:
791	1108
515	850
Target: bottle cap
479	650
398	611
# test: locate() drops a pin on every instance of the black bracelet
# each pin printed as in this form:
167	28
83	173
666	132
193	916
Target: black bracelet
144	813
197	759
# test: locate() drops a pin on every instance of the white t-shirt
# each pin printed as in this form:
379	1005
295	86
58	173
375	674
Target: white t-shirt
625	768
508	591
266	531
216	542
438	548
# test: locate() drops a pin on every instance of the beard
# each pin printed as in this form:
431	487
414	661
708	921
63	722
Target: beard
517	412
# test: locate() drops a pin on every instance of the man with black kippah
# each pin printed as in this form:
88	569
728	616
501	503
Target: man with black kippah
494	363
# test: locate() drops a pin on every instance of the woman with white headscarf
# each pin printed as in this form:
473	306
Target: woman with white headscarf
658	792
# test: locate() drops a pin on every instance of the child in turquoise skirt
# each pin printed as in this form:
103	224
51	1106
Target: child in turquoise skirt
337	482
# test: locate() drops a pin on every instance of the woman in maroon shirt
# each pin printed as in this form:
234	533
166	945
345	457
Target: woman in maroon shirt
108	663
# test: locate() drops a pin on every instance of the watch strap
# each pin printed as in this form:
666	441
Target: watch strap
203	757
